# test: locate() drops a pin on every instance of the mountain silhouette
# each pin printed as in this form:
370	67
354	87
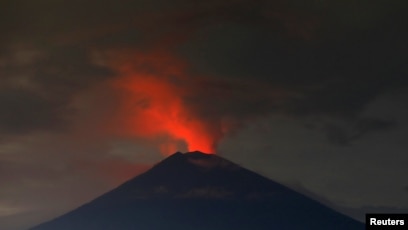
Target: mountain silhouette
197	191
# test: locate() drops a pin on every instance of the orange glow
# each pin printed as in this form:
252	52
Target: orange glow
153	107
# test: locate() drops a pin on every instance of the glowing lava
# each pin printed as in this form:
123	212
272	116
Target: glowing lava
153	108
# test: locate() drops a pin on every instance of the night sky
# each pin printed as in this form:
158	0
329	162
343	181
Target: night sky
310	93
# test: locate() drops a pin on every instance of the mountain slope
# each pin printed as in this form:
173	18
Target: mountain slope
196	191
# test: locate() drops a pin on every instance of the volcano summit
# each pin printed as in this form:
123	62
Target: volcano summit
201	192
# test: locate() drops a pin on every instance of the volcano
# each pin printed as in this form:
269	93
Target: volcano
197	191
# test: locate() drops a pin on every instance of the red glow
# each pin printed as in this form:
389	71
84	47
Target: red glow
153	108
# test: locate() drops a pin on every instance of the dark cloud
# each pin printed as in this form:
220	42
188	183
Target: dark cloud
346	133
334	72
66	70
23	111
38	85
320	62
74	21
